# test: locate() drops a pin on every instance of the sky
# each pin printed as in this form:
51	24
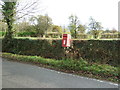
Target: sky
104	11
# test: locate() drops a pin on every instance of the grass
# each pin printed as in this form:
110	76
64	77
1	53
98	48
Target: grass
79	67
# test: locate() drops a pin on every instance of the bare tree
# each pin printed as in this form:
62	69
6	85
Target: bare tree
25	8
28	8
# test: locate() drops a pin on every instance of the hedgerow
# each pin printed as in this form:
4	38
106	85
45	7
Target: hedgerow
93	51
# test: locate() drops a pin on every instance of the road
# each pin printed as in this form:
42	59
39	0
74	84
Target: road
19	75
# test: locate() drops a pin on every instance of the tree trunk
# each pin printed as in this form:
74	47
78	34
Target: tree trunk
9	31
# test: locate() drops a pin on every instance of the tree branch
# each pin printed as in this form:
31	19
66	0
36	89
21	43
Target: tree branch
27	7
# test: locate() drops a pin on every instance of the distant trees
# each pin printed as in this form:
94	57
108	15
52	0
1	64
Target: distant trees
39	26
57	28
111	31
107	31
82	28
114	30
42	24
22	26
94	27
75	27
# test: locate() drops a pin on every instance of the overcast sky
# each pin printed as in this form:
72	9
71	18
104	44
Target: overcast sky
104	11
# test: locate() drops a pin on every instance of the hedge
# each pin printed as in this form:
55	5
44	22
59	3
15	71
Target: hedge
110	35
99	51
23	34
102	51
44	48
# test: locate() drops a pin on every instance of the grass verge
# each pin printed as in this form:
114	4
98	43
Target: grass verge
79	67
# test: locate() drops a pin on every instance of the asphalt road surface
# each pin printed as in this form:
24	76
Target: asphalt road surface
19	75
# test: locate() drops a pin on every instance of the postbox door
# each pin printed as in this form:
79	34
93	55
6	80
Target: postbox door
66	40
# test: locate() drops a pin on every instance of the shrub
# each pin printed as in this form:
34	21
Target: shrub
110	35
44	48
98	51
24	34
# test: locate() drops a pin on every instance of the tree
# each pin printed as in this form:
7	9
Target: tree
73	26
57	28
81	28
107	31
27	8
8	11
24	27
95	27
114	30
42	24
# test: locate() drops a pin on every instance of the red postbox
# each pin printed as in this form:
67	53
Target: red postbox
66	40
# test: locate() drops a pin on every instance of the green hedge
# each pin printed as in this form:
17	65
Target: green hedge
110	35
24	34
99	51
44	48
102	51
